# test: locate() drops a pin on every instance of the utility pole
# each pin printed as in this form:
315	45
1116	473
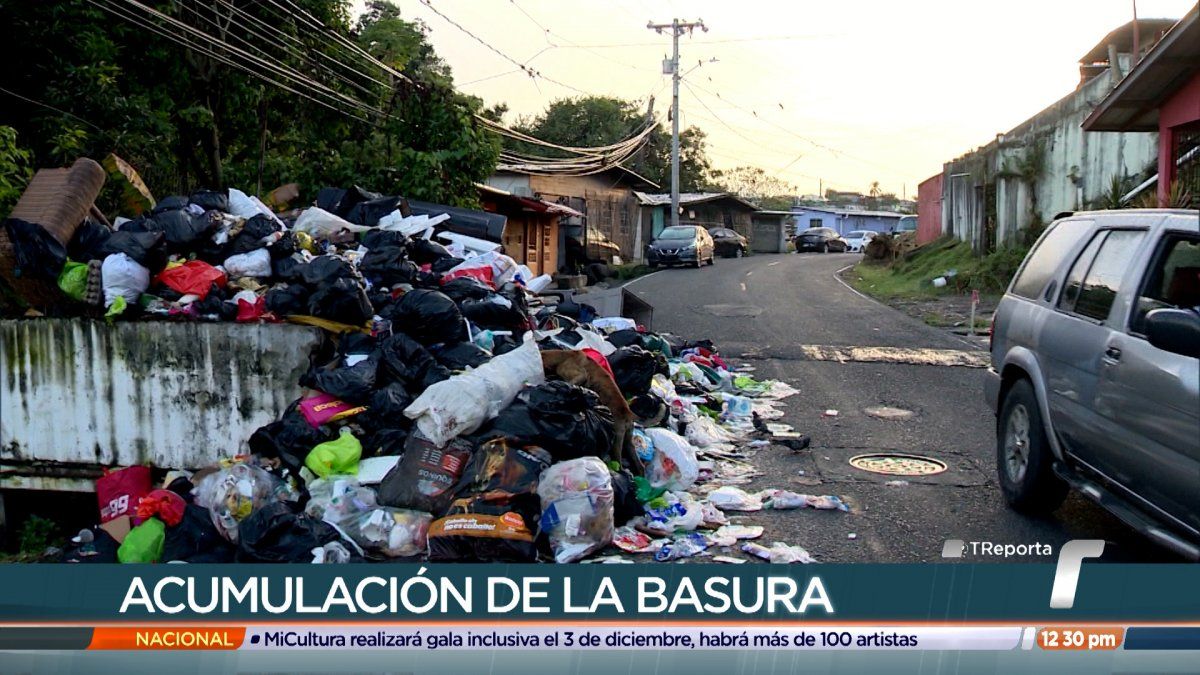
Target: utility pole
677	29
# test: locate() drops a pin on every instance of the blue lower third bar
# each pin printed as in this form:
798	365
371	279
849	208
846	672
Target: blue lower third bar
1163	638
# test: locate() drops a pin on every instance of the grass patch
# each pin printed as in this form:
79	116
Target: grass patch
630	271
911	277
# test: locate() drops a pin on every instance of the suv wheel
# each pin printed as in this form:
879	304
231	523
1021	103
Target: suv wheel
1023	456
739	252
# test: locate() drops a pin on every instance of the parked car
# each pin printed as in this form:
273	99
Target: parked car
1095	375
681	245
821	239
857	240
906	224
729	243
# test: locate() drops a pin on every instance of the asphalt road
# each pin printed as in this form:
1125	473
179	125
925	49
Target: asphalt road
761	311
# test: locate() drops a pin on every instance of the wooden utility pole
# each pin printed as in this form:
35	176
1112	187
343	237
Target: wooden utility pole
677	29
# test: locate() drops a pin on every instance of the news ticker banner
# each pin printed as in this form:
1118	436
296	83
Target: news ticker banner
604	637
722	594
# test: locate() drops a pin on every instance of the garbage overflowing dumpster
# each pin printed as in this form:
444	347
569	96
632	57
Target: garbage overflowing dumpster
331	384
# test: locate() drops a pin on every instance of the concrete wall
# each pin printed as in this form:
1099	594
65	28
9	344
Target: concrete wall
77	395
929	209
986	201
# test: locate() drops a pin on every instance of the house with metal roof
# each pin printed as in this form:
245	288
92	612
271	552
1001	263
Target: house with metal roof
710	209
845	220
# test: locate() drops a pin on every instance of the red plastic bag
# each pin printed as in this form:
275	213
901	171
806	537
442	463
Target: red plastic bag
118	492
324	408
251	311
600	361
484	274
167	505
194	277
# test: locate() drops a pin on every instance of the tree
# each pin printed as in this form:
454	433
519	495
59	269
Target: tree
187	120
591	121
754	184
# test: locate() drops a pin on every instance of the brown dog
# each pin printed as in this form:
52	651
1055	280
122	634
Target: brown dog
576	368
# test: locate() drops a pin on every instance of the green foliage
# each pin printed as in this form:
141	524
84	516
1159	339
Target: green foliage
36	534
14	170
911	276
591	121
1114	193
186	121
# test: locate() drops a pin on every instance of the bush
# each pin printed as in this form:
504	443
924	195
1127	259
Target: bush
36	534
14	170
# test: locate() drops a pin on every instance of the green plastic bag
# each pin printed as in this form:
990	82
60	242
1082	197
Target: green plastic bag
73	279
337	457
144	543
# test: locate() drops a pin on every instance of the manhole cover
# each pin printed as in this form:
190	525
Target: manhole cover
896	464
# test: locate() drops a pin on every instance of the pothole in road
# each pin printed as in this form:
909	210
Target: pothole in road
898	464
733	310
887	412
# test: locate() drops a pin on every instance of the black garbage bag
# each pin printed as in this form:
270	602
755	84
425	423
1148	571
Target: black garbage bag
356	343
325	269
385	442
443	265
39	255
567	420
503	344
211	200
287	300
402	359
625	502
328	199
373	239
147	248
495	313
283	247
214	304
461	356
288	439
466	288
428	316
427	476
180	228
634	368
650	410
424	251
89	238
172	203
196	540
252	234
388	266
101	549
627	337
581	312
342	300
352	384
381	299
278	533
289	269
385	408
369	212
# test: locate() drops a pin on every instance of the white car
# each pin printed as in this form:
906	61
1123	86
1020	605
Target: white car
858	240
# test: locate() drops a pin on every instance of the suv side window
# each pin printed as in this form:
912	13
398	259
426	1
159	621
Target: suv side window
1173	281
1095	296
1046	257
1075	278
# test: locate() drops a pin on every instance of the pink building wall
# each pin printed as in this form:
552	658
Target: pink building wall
1181	109
929	209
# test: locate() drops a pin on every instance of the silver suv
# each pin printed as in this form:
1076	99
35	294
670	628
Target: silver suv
1095	376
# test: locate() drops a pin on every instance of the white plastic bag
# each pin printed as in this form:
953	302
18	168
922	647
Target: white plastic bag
256	263
705	433
236	491
539	284
674	465
613	323
122	276
248	206
462	403
322	224
729	498
503	267
577	507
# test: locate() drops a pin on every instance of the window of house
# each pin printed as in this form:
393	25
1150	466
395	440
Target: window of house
1043	261
1094	297
814	222
1173	281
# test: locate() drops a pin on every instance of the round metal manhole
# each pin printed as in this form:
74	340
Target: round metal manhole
897	464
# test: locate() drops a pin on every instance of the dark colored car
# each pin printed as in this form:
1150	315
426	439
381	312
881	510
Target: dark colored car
728	243
820	239
681	245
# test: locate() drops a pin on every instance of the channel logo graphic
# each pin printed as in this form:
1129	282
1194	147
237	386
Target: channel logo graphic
1066	574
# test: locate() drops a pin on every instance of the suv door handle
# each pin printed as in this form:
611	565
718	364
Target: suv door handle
1112	354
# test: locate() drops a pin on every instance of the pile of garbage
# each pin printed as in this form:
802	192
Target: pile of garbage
451	415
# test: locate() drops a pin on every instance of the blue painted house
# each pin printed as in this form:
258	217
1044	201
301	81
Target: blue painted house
845	220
